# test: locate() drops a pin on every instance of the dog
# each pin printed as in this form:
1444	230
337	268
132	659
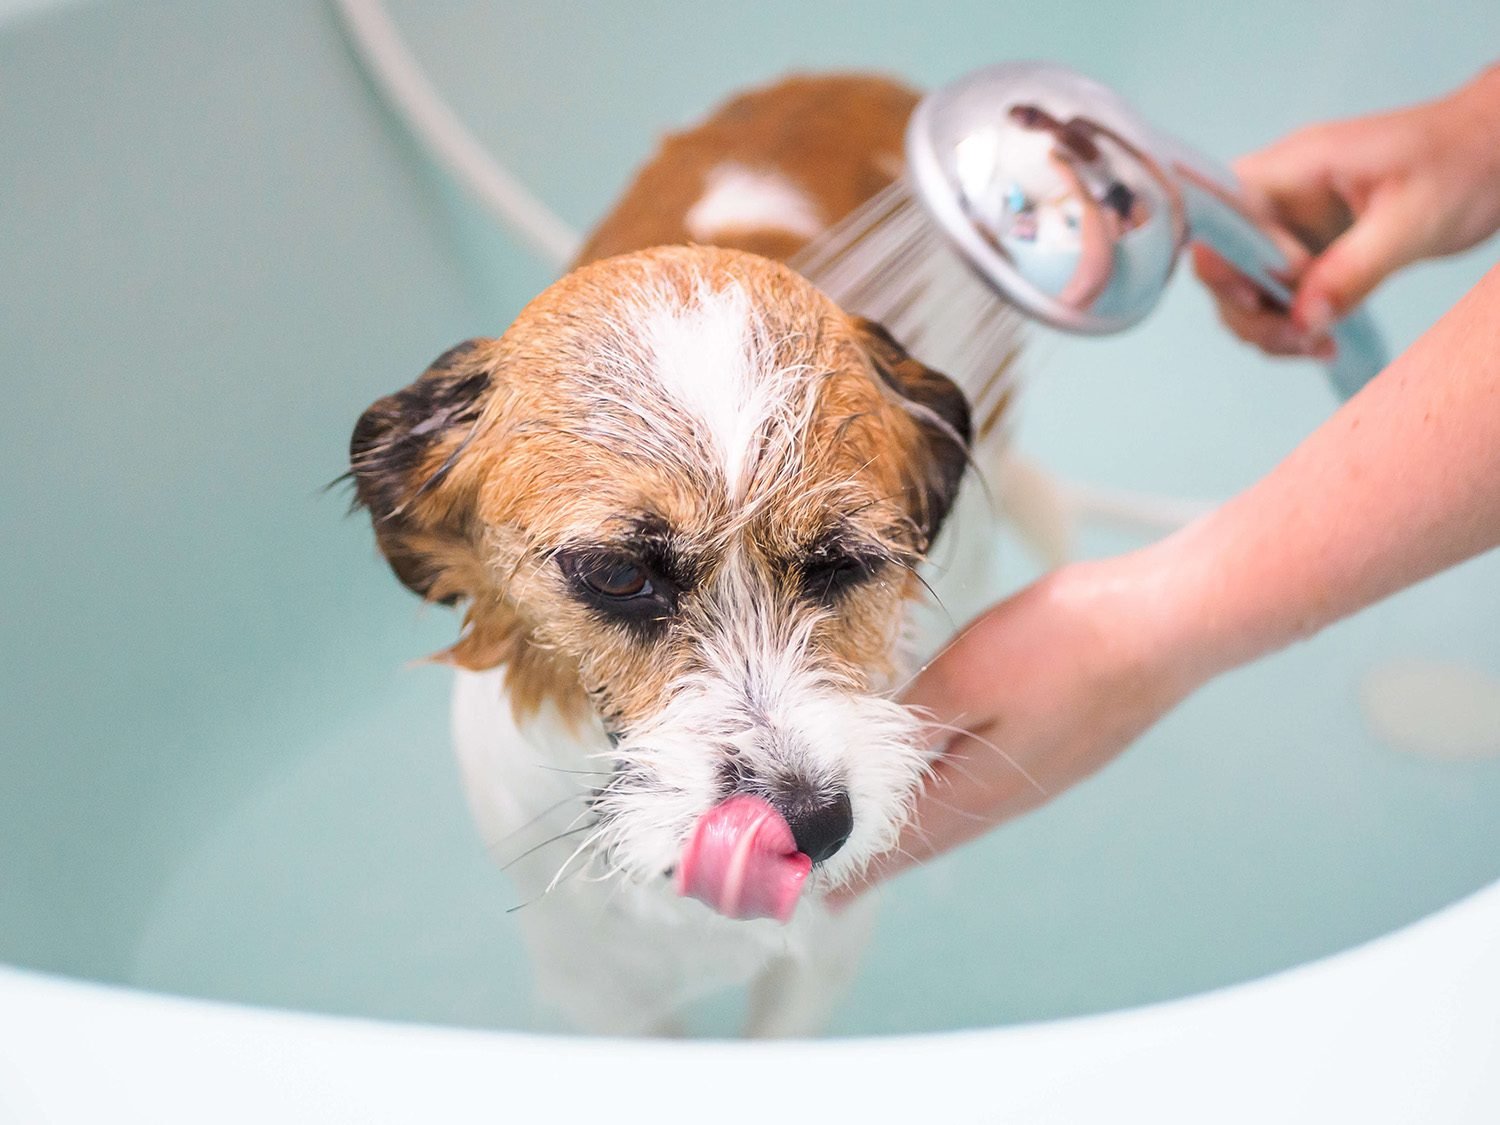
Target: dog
685	501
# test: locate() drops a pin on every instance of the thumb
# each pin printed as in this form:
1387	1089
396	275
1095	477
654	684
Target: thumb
1388	235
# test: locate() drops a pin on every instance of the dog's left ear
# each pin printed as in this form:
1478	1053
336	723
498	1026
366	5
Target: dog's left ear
940	411
402	456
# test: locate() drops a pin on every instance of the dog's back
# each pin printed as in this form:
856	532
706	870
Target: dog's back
766	171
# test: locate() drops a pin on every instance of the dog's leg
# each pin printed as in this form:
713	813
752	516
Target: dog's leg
796	994
794	998
595	993
523	790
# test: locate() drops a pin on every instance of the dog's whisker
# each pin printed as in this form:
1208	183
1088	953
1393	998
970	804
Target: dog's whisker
575	773
985	742
588	840
557	880
550	809
547	843
936	598
942	650
520	906
977	818
955	764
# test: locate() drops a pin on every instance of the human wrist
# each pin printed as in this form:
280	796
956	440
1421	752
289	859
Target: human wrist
1471	114
1488	78
1478	101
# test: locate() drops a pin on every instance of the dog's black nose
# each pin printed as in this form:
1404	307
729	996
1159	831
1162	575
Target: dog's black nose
820	822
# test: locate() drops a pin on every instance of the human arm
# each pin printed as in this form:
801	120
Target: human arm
1402	482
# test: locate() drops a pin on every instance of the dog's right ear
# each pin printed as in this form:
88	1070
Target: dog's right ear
941	413
402	457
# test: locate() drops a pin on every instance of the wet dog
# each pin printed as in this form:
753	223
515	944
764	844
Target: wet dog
684	501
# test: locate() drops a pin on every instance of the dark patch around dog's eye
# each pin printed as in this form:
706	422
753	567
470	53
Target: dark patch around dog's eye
619	587
652	540
831	570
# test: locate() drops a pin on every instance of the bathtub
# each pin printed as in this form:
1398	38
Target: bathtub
237	880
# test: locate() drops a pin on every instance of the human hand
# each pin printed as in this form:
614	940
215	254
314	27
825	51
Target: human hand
1403	481
1039	692
1368	196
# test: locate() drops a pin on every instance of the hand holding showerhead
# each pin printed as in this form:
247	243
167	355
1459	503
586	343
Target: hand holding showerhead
1067	203
1369	195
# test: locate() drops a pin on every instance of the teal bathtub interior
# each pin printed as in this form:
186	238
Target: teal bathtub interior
224	771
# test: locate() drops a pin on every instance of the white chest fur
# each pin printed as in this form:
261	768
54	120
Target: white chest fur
626	958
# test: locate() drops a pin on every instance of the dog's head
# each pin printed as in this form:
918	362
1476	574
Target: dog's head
686	494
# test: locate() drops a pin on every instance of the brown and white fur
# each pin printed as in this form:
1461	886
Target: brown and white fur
683	499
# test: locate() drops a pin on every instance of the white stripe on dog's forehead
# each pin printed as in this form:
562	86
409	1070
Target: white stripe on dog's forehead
711	357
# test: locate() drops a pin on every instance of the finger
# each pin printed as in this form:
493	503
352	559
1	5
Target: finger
1389	235
1225	282
1273	332
1293	184
1250	314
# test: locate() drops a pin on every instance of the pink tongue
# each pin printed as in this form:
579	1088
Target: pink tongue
743	862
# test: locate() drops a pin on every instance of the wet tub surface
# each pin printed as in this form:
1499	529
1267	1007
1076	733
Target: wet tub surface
221	774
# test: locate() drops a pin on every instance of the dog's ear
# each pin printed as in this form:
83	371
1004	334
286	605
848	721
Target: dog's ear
402	456
941	413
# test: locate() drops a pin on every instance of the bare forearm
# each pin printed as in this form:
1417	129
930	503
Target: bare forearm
1400	483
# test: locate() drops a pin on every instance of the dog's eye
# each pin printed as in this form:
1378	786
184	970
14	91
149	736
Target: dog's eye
609	576
619	587
825	578
616	579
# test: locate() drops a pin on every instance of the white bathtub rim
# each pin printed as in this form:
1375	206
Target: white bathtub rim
1429	930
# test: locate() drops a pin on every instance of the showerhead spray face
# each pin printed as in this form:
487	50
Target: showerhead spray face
1069	205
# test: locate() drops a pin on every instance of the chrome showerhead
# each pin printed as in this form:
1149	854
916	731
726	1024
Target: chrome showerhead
1069	205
